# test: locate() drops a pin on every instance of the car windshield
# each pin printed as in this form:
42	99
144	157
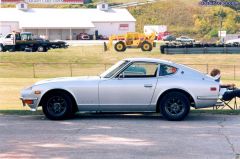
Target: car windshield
114	69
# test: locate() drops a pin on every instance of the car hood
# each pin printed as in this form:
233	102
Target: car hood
68	79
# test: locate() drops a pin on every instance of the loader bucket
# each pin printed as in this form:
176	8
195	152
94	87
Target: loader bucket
105	46
154	44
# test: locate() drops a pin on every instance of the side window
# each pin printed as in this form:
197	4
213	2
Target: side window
24	37
167	70
9	36
17	36
140	70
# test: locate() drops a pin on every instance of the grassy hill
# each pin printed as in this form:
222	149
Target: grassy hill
185	17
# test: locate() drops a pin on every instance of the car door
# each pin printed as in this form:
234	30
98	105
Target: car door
9	40
130	90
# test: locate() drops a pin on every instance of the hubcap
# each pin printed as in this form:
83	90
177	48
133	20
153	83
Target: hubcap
146	46
57	105
119	46
40	49
174	106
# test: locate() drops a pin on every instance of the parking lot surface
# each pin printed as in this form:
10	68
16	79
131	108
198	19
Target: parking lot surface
120	136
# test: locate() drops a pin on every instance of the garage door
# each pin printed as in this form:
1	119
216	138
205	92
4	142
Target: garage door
55	34
5	29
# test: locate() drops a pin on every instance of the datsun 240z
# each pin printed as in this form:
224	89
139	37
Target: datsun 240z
131	85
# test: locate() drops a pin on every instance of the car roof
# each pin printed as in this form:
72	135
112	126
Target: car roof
25	33
149	60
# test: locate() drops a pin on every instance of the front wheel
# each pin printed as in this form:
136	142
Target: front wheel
175	106
57	106
1	48
146	46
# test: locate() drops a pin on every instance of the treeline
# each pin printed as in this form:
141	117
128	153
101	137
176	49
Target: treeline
188	18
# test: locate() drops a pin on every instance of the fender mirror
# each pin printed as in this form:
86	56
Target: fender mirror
121	75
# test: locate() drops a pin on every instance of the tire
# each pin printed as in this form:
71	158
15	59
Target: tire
58	106
146	46
12	49
2	48
41	49
120	46
174	106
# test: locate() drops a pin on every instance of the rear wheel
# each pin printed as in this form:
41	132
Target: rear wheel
120	46
174	106
58	106
146	46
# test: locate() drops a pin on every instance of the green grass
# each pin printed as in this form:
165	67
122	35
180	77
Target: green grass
20	112
222	112
14	77
48	63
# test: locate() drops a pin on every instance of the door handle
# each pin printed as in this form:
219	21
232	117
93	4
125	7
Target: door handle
148	85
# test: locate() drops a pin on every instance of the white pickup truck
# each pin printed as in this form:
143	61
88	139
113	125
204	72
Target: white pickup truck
22	42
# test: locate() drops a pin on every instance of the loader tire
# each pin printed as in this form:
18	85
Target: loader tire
120	46
146	46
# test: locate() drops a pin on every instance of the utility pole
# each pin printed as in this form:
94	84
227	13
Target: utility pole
220	18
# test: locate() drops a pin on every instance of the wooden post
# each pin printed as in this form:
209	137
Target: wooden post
234	72
33	66
70	34
70	65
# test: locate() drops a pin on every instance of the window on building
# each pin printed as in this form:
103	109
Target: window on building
123	27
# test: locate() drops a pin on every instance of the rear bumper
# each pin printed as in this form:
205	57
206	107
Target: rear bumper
206	101
207	98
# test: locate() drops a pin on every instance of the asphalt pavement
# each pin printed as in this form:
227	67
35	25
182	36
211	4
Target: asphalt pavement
120	136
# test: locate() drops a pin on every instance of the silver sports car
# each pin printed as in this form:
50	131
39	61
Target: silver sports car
131	85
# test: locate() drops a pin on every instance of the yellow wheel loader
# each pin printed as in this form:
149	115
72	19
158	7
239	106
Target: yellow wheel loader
131	40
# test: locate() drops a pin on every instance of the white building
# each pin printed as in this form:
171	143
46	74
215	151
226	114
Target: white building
66	24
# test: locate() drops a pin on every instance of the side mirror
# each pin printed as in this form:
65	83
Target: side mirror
121	76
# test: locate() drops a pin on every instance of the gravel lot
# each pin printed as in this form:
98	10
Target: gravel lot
120	136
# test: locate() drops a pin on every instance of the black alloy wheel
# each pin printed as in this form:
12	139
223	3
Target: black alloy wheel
175	106
57	106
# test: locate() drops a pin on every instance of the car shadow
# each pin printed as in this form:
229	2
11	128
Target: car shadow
119	116
142	116
131	116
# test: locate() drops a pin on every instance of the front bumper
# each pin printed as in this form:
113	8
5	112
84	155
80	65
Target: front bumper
28	97
31	102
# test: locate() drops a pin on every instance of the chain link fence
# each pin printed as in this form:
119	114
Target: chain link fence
49	70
